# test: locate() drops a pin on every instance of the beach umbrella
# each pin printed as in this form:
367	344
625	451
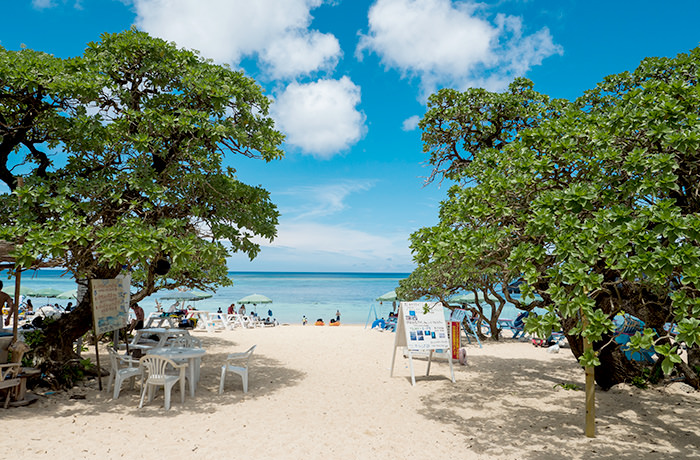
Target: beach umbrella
388	297
184	296
187	296
72	294
44	292
23	290
33	292
467	297
255	299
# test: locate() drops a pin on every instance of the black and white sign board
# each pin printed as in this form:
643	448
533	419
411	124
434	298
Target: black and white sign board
421	327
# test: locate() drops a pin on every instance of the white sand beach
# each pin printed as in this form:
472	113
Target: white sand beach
326	393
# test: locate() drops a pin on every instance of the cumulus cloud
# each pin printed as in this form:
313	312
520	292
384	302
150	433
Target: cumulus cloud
276	31
321	117
451	43
301	54
410	123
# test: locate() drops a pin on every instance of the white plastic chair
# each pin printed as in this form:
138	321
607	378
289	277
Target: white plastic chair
156	368
238	364
235	320
123	368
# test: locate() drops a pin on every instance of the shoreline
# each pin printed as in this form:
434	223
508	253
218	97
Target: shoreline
325	392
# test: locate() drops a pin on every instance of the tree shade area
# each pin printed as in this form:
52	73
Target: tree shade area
121	155
594	203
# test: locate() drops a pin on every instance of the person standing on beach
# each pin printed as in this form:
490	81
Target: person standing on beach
337	316
6	300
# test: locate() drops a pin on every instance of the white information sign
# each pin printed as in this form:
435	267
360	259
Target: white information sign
424	330
421	327
110	303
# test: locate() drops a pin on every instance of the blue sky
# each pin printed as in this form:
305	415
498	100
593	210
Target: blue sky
350	78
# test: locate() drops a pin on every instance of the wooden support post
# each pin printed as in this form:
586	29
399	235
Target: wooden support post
15	307
590	387
18	278
97	359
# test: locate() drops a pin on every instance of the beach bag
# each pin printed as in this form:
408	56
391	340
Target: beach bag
463	356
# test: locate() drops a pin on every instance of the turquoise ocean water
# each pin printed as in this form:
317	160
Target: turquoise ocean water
316	295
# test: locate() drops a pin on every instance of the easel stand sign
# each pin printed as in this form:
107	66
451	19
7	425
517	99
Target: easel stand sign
419	330
110	307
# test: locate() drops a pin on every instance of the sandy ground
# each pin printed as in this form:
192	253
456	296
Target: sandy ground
326	393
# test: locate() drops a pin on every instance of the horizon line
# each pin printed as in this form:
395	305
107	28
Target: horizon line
260	271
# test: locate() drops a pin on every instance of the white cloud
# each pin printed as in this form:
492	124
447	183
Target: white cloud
228	30
42	4
325	199
320	118
340	241
451	43
410	123
301	54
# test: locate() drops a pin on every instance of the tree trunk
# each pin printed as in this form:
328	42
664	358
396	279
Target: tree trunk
495	331
56	354
692	369
614	366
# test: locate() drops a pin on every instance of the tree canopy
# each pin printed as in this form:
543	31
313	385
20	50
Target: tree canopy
122	157
595	206
469	248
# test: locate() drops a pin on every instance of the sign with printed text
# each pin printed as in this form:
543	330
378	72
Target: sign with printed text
110	303
424	326
456	336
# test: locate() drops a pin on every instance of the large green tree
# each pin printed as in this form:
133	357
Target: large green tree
598	205
122	151
470	247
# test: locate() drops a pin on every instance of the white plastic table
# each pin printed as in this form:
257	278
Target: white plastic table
161	320
193	356
162	333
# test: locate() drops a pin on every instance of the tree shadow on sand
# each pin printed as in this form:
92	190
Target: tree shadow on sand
267	376
517	408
